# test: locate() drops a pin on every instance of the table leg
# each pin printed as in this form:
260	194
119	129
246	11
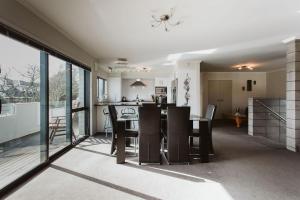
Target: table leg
204	141
120	149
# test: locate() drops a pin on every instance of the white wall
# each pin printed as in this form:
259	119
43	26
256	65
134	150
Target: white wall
25	121
143	92
114	88
192	68
276	84
149	75
239	79
20	18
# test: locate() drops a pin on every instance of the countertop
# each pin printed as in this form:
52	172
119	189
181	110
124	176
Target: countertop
131	103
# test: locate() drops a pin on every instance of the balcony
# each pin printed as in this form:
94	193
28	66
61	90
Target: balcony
20	137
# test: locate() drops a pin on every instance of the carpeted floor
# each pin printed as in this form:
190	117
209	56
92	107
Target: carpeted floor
243	168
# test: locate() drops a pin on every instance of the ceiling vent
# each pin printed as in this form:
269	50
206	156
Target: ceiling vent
121	61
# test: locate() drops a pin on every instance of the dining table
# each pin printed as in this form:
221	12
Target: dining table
203	143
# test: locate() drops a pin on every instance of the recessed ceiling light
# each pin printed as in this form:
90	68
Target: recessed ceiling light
169	63
287	40
174	57
207	51
177	56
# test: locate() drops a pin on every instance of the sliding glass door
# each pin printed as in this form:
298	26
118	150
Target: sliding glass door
44	107
57	105
20	109
79	108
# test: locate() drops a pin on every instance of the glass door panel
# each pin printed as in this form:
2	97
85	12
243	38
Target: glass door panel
20	109
57	105
79	124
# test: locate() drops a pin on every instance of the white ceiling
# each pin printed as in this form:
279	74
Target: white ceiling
248	31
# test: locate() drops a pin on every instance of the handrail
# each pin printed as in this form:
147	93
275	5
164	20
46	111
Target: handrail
270	110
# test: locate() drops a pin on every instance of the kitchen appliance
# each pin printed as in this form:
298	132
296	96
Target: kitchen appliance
124	99
161	91
161	95
161	99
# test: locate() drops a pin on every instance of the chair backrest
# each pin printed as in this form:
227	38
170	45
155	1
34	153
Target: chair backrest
178	129
113	118
75	104
105	111
149	134
171	105
128	111
210	115
210	112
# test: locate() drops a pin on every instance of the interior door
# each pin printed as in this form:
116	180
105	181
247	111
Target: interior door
220	94
214	95
225	97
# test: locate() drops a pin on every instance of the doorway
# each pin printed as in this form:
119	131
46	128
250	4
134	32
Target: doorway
220	94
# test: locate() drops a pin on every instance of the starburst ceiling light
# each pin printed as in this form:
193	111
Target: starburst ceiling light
245	67
143	69
165	20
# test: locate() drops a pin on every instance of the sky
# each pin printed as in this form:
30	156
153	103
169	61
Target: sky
15	57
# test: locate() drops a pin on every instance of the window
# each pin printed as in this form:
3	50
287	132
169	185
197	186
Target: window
38	116
101	89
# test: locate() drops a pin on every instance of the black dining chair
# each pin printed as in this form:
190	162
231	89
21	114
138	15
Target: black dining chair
209	115
164	117
171	105
149	134
114	126
177	136
116	130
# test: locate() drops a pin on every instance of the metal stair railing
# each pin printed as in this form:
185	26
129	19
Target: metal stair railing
276	115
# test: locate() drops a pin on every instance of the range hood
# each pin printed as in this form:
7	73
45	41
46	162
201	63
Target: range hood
138	83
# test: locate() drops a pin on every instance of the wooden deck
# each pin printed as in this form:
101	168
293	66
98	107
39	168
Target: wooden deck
24	156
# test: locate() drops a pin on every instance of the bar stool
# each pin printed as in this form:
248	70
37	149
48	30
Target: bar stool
128	111
107	125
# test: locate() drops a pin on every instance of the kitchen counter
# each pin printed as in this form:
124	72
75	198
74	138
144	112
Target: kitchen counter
102	108
130	103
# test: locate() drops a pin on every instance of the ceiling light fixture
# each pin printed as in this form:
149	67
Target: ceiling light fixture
164	20
138	83
143	69
244	67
